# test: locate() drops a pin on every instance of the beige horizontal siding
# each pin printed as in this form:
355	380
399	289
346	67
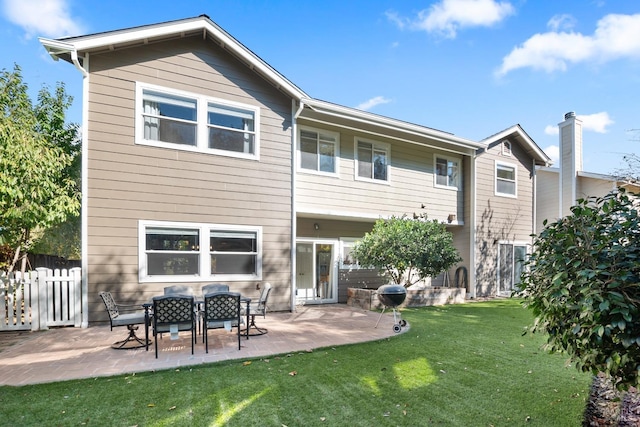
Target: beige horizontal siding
129	182
500	218
547	198
410	185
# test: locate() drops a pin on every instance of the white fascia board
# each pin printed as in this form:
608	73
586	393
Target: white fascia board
548	169
602	177
56	47
389	123
114	38
532	145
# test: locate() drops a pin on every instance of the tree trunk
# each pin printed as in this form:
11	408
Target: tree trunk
608	406
16	257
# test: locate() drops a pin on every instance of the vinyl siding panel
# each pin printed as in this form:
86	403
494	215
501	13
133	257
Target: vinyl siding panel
548	197
129	182
588	187
410	184
500	218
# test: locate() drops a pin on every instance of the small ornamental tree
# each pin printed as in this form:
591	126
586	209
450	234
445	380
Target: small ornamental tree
582	282
407	249
39	164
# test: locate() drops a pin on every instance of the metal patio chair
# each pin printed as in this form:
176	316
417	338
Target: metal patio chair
221	310
259	308
214	287
173	314
128	315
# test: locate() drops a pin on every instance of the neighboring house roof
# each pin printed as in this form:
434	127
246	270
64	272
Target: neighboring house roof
425	134
71	49
620	181
519	135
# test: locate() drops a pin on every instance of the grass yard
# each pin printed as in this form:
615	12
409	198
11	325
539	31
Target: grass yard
461	365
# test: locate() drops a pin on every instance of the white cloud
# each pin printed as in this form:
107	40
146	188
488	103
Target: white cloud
448	16
396	19
553	151
616	36
561	22
369	104
597	122
551	130
49	18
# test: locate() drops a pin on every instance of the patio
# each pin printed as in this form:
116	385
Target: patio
71	353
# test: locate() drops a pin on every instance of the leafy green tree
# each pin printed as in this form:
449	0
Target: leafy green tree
39	163
582	282
407	249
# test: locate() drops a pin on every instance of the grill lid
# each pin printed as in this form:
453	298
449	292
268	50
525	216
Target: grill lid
391	290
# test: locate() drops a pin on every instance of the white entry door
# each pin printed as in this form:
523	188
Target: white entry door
316	279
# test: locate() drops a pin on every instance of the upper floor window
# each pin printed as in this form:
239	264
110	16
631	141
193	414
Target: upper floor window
231	128
506	148
184	121
181	252
506	179
447	172
318	150
169	118
372	161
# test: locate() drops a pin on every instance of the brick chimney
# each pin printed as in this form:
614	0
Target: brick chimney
570	160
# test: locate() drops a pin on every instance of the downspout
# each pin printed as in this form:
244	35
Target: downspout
535	196
295	113
472	234
84	251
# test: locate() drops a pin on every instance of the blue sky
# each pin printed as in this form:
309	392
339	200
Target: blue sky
469	67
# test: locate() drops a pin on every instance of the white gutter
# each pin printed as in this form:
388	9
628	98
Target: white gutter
339	111
294	223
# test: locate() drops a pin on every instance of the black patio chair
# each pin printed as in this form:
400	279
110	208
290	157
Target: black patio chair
178	290
128	315
214	287
221	310
173	314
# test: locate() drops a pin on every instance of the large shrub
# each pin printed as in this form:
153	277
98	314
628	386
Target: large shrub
583	284
407	249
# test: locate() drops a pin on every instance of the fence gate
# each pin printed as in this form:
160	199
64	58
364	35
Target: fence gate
41	299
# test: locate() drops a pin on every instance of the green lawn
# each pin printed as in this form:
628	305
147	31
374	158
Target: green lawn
463	365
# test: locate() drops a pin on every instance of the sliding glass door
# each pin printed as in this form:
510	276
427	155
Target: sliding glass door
316	272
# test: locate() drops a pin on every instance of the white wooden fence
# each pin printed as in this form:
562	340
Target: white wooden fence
41	299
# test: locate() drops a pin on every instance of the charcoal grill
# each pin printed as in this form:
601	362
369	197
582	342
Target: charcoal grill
392	296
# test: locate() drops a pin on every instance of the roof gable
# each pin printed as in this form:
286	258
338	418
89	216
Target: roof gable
72	49
517	134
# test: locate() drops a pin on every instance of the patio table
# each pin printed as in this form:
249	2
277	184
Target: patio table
197	303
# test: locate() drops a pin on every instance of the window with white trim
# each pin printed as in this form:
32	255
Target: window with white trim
169	118
185	121
318	150
506	179
198	252
447	172
372	161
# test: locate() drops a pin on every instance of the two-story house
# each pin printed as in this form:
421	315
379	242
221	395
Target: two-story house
202	163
